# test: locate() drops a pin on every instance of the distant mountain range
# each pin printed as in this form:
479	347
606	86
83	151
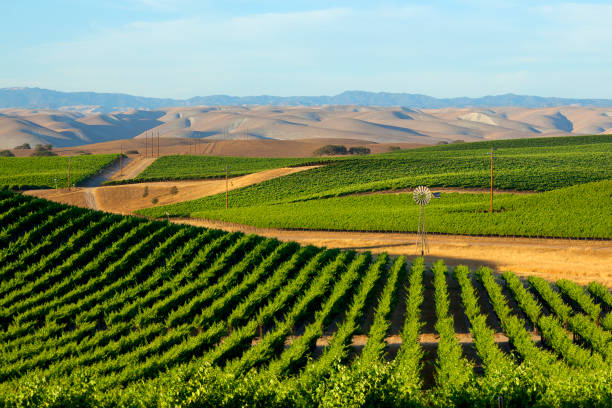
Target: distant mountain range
37	98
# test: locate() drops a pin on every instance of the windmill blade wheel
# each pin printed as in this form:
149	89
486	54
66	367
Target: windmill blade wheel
422	195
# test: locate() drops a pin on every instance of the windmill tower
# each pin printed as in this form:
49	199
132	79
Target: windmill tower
422	195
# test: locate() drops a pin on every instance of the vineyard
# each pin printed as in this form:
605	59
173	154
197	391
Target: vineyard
204	167
536	165
50	172
580	211
104	310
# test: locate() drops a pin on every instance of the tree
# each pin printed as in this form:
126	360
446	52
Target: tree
43	150
359	150
6	153
25	146
331	150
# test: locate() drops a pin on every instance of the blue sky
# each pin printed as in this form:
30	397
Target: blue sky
184	48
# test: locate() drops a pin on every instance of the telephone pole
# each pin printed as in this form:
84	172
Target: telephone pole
121	161
491	210
491	153
69	173
226	186
157	144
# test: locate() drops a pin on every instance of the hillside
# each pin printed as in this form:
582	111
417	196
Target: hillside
355	123
538	164
104	310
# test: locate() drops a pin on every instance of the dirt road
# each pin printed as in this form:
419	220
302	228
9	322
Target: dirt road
579	260
127	198
133	167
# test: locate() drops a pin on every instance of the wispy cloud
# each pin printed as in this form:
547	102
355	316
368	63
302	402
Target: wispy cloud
462	48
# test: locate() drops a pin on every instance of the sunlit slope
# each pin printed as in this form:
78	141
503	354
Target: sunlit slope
103	310
527	164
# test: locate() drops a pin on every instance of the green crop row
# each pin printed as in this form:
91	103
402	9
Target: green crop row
102	310
453	371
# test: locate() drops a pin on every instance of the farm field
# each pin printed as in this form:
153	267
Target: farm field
128	197
581	211
536	164
204	167
546	164
43	172
105	310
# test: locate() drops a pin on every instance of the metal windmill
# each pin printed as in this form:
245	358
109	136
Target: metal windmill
422	196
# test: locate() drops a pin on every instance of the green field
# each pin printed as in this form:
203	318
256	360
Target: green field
203	167
100	310
547	164
582	211
45	172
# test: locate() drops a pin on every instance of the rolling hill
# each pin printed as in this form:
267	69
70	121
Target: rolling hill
368	124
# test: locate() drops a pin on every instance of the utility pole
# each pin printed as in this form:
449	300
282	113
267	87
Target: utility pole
226	186
69	173
157	144
491	210
121	161
491	153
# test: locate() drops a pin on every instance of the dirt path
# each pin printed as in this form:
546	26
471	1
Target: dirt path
360	340
132	167
102	176
90	198
579	260
448	190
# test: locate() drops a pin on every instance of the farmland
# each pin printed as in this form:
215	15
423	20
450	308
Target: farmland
37	172
580	211
204	167
558	167
105	310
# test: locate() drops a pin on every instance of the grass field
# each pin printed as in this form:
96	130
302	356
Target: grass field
528	164
103	310
204	167
45	172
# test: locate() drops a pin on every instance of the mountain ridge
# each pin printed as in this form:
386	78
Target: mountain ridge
40	98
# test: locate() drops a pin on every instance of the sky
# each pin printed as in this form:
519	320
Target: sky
185	48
